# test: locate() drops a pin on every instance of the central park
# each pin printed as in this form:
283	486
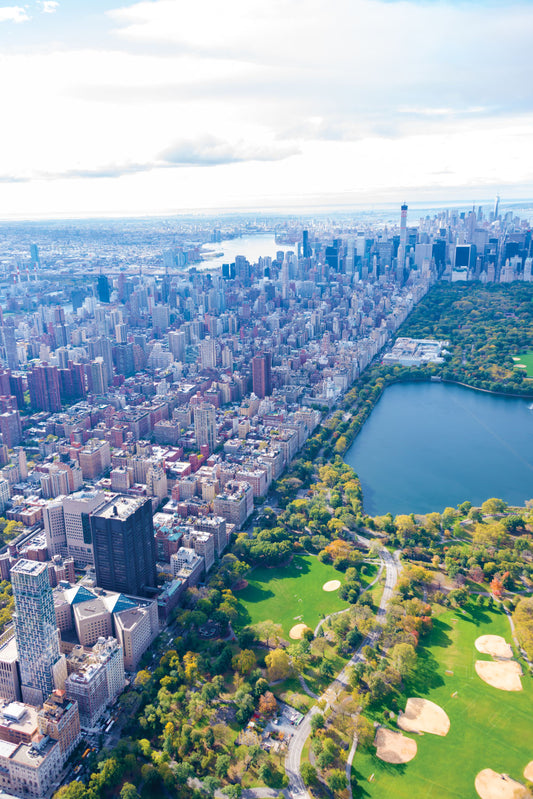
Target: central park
337	653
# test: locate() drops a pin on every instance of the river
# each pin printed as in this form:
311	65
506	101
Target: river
253	247
427	446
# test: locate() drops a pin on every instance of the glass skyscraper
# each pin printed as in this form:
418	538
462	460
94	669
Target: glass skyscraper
42	667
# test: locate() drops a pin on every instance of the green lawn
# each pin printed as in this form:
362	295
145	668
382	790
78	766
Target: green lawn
290	595
525	360
489	728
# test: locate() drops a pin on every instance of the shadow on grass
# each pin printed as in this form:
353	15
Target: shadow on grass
297	567
359	781
255	593
426	676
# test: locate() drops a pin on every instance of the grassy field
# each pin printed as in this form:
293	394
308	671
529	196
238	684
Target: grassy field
290	595
525	360
489	728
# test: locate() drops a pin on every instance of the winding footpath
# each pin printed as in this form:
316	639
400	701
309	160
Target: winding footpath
297	789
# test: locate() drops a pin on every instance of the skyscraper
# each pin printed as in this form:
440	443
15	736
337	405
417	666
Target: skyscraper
43	384
96	376
10	428
102	287
262	375
42	667
403	225
124	546
306	250
10	345
208	353
205	427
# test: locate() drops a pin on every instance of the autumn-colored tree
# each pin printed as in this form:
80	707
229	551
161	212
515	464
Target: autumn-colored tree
278	665
267	704
496	587
143	678
190	662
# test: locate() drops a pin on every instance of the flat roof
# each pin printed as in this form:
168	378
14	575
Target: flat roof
24	566
125	506
7	748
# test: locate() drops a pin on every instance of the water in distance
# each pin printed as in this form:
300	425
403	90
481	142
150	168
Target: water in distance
427	446
253	247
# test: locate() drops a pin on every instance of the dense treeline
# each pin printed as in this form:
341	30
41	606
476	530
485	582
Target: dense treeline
486	326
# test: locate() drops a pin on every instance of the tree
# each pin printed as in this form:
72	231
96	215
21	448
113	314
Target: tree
267	704
245	661
336	780
309	774
403	658
222	765
364	729
492	506
143	678
233	791
74	790
327	754
268	630
300	654
341	445
210	785
278	665
183	771
458	597
317	722
129	791
523	619
190	662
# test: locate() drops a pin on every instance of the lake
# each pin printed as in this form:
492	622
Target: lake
253	247
427	446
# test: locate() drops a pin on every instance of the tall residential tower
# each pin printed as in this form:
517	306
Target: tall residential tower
42	667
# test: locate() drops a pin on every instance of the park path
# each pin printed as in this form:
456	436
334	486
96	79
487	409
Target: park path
297	789
247	793
338	612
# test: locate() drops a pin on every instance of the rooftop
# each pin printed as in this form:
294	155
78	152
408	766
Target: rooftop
121	507
29	567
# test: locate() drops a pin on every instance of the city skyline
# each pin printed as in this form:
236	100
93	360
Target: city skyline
155	108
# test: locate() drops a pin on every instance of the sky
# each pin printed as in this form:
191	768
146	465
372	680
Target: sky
111	108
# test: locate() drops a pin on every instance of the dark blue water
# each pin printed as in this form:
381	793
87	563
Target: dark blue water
427	446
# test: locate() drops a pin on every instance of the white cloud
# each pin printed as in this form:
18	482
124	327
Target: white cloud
49	6
291	96
13	14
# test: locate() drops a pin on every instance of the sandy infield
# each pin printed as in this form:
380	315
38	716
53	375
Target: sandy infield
297	631
502	674
528	771
491	785
331	585
494	645
393	747
421	715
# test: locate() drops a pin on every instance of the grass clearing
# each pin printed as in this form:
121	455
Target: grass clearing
525	362
290	594
489	728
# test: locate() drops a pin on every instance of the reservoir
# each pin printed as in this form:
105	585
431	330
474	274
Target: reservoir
427	446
